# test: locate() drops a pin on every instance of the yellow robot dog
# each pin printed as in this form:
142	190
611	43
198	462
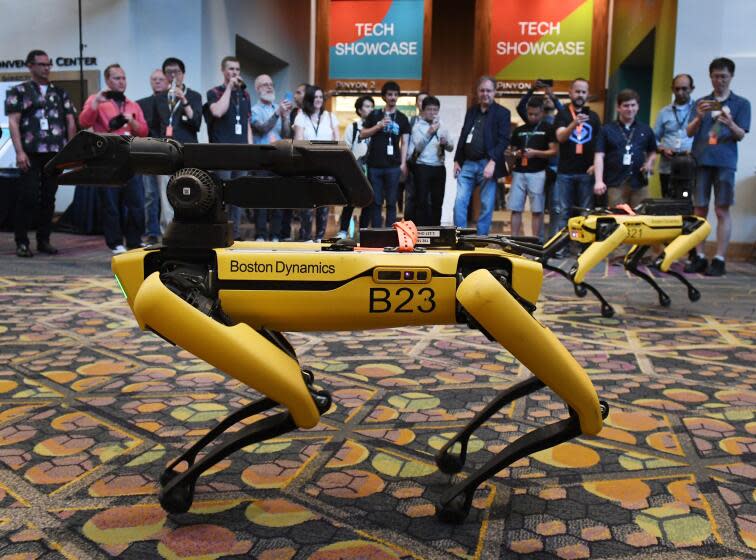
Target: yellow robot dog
653	222
228	303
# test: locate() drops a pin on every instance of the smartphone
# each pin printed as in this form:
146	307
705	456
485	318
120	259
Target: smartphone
546	83
288	96
714	105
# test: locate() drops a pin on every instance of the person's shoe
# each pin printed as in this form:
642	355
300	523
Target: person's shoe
152	240
275	239
22	250
698	264
45	247
342	234
716	268
118	249
260	239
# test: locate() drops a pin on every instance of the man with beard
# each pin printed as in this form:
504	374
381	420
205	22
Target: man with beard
577	129
270	123
41	119
671	129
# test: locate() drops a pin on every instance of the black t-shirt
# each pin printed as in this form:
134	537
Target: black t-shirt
378	151
536	137
475	149
569	161
223	130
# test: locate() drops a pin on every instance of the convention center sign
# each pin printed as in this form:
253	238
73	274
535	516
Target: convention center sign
370	41
539	39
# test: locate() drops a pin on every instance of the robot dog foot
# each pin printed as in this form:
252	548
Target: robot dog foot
582	288
177	488
456	502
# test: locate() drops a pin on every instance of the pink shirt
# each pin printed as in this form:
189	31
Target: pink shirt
98	119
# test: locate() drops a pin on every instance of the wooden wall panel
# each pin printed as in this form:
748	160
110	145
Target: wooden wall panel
451	69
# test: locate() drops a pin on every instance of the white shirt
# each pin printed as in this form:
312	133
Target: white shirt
320	129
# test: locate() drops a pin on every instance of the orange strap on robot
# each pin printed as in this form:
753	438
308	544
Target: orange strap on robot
626	208
406	231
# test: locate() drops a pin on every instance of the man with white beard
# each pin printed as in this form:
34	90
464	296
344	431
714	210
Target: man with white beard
270	122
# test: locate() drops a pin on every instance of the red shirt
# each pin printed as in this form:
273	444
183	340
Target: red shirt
99	119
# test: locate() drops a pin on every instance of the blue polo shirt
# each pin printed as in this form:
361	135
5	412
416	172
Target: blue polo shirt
261	113
725	152
612	139
671	131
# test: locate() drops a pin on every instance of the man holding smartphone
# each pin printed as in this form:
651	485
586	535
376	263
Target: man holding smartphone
722	120
109	110
577	128
270	123
389	131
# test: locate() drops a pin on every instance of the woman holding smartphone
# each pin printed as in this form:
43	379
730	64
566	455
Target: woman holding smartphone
313	122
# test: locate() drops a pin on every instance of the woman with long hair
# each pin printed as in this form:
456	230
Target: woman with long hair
313	122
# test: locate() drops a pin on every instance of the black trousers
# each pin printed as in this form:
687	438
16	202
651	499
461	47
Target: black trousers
430	183
35	191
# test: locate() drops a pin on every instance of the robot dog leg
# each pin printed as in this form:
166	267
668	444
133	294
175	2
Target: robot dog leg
613	235
558	241
258	359
493	307
695	230
632	258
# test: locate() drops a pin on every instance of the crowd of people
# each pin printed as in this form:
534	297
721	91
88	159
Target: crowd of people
560	158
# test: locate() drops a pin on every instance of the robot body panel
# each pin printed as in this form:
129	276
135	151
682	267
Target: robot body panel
238	350
534	346
641	230
228	303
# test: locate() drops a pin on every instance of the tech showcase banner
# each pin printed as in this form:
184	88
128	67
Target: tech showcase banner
371	39
548	39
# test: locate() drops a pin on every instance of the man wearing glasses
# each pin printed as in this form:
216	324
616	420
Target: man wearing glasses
42	120
722	119
671	129
177	114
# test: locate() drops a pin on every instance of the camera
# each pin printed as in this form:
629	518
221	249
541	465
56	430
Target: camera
117	122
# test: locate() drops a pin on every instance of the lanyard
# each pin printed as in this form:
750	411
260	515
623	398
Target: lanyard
177	104
315	128
681	123
237	103
628	139
578	128
530	134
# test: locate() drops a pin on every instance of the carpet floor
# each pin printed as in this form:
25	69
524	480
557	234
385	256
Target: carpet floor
92	410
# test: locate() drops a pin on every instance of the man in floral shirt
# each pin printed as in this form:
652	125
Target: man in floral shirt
42	120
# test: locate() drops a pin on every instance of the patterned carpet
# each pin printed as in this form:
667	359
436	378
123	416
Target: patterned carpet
91	411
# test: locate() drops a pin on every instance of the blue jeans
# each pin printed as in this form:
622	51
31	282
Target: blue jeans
234	212
470	176
321	222
261	223
385	183
123	213
569	190
152	205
